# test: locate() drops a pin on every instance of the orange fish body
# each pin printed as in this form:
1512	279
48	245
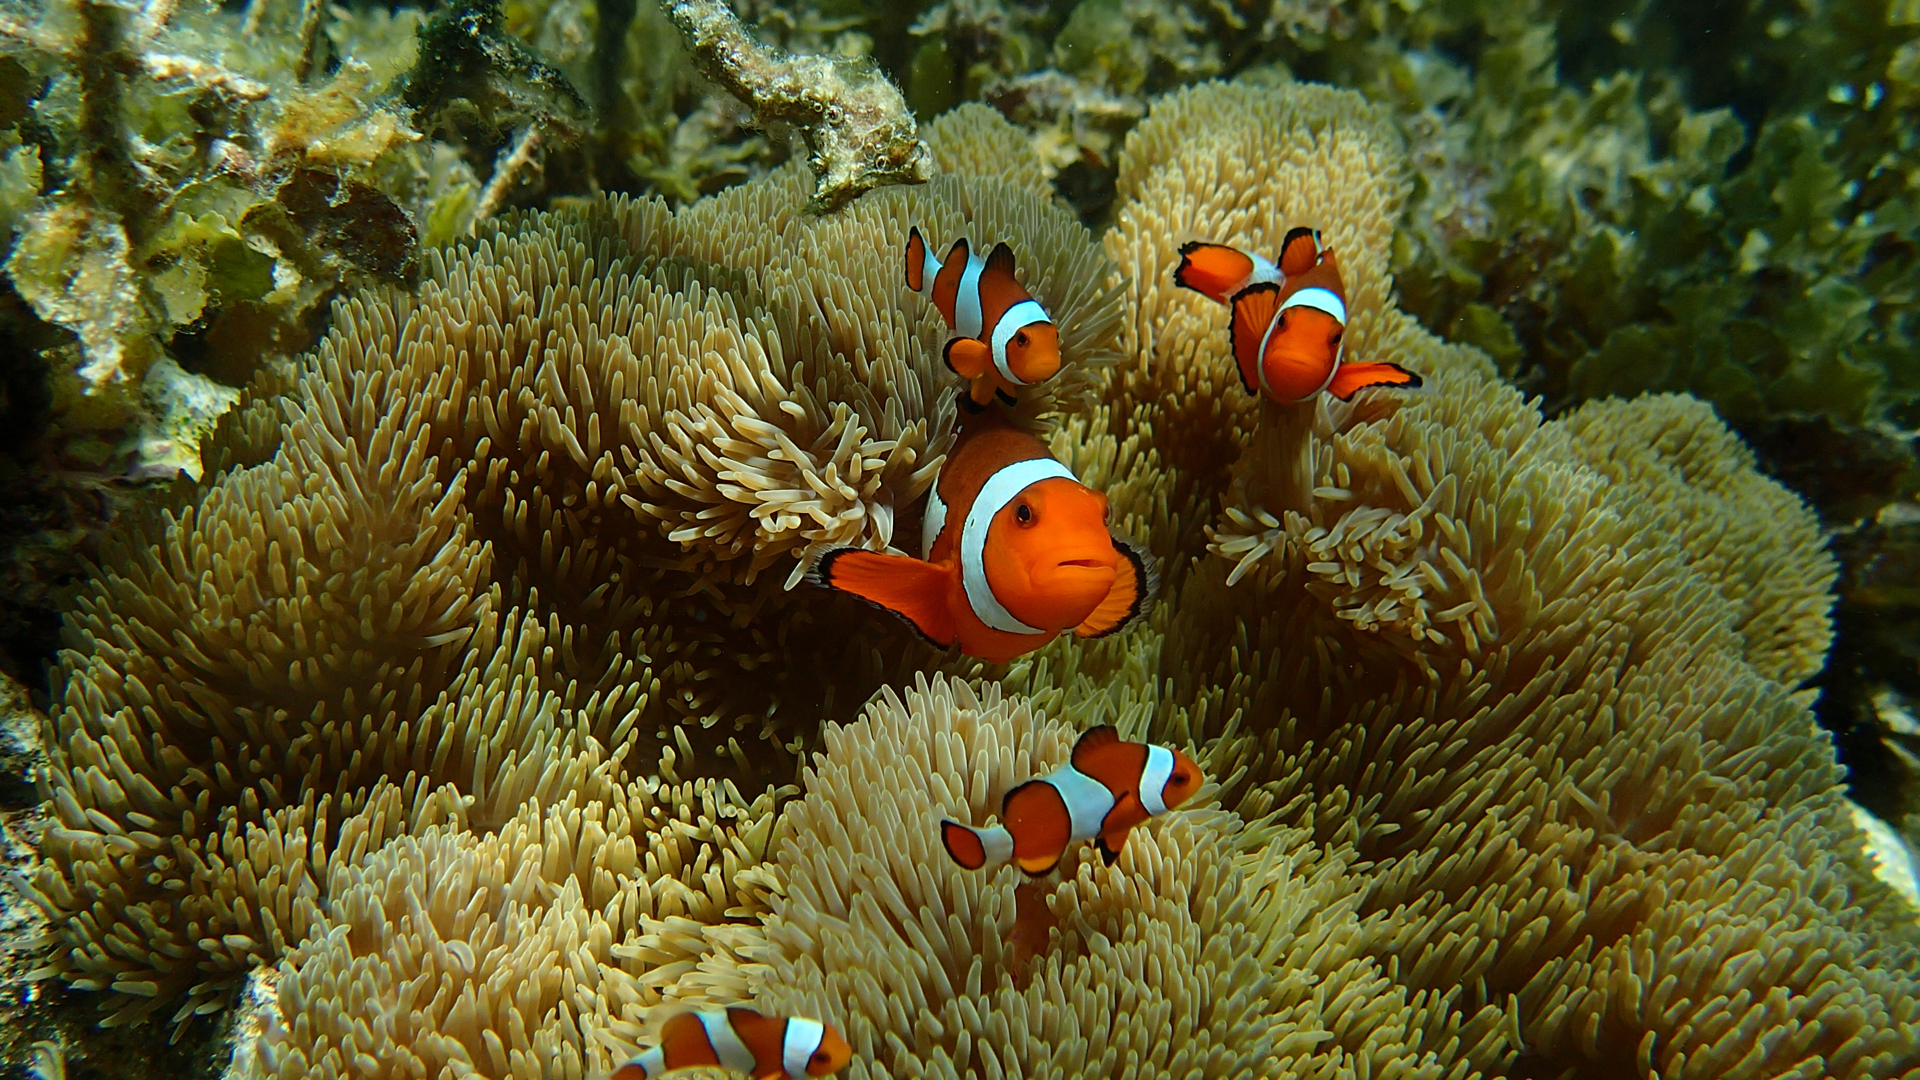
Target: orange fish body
763	1047
1003	339
1288	320
1014	551
1107	787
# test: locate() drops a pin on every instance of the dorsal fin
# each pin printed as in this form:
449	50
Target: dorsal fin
1090	741
1300	251
1000	258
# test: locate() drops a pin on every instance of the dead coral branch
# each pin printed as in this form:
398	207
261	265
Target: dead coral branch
855	121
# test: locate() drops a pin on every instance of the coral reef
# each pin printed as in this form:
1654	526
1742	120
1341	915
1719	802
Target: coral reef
438	680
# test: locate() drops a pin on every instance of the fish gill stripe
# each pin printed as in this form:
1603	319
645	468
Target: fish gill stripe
727	1046
1153	780
1000	489
935	521
1015	319
802	1039
1088	801
966	300
1319	299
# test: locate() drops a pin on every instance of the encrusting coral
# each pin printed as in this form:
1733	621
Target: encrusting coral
1511	774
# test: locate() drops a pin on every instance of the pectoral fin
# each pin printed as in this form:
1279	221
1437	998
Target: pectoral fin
1109	845
1353	377
1254	309
970	358
911	588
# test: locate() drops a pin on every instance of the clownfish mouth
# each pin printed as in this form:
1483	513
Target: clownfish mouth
1091	564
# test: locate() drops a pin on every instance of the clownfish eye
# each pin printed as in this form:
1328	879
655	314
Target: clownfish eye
1020	339
1337	335
820	1057
1023	514
1180	778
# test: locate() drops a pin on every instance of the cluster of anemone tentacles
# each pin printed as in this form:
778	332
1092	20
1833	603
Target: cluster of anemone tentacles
464	692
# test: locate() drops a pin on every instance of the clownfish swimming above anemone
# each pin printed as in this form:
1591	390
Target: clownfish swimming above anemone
1288	320
1015	551
1107	787
745	1041
1003	339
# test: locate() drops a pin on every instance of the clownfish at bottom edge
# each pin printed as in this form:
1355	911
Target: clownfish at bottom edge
762	1047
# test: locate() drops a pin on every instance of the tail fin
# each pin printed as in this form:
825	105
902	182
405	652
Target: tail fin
921	265
976	849
1219	272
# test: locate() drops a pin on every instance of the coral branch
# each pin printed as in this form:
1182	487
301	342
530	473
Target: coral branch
855	121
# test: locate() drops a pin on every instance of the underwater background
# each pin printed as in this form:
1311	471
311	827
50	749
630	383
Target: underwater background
418	421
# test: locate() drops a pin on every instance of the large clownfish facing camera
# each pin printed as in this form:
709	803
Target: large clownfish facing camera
1015	551
1108	787
1288	320
740	1039
1003	339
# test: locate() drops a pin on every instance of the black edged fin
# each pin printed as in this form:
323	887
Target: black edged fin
1246	337
821	574
1146	569
1000	256
915	244
946	355
1005	398
1093	739
1007	799
960	250
1107	855
970	406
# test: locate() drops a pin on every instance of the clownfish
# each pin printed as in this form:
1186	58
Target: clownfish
763	1047
1287	319
1003	339
1106	788
1014	551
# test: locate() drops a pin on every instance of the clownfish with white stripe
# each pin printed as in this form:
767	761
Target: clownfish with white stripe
1003	339
740	1039
1107	787
1288	320
1014	552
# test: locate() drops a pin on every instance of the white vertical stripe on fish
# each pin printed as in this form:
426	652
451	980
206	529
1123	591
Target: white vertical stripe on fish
1088	801
1000	489
1012	321
1153	779
933	522
733	1053
802	1039
966	299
